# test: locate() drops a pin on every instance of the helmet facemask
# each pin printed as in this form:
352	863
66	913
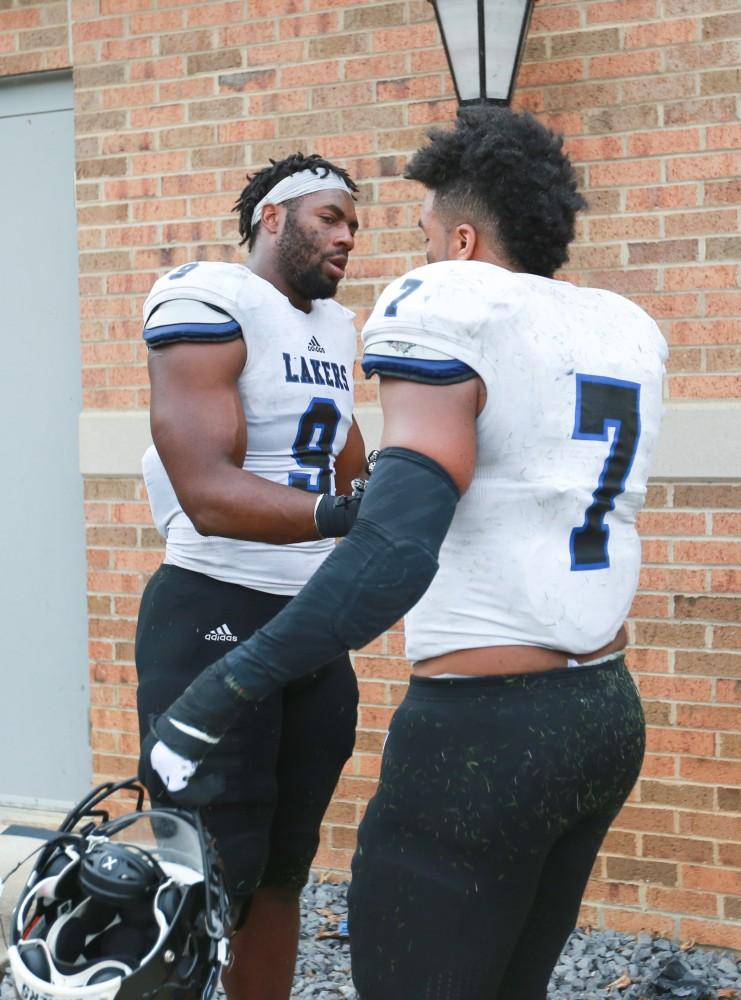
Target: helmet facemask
128	908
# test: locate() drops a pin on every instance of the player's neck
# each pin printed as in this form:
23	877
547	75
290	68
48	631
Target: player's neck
265	269
494	255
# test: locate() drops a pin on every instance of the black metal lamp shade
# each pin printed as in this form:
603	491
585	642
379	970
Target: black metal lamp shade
483	40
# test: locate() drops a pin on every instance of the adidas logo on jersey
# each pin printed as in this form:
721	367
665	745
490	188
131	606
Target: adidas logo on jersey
221	634
314	345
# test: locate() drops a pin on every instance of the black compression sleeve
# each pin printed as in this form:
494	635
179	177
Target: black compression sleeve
371	579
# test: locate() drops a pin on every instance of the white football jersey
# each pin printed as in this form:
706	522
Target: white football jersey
297	392
543	548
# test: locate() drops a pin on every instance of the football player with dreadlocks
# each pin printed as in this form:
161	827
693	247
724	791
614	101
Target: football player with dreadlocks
521	417
250	480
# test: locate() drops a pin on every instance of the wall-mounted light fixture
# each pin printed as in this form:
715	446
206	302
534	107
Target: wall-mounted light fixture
483	41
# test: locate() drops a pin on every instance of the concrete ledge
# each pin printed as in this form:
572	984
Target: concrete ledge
699	440
112	442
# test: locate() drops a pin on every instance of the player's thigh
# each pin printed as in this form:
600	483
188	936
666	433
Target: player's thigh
433	908
184	624
318	734
594	781
187	621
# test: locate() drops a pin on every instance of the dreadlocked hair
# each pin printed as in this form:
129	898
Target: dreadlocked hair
266	179
506	174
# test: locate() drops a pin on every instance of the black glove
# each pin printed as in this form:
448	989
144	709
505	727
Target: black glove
335	515
167	774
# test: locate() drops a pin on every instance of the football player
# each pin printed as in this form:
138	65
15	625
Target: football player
521	416
249	480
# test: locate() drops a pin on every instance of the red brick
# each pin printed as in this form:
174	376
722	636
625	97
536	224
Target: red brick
130	97
13	20
709	717
678	849
629	922
101	27
708	277
156	23
659	766
711	879
710	771
661	33
683	58
686	742
551	72
551	19
703	904
667	196
705	332
429	61
707	932
215	13
707	165
117	719
711	825
405	38
623	173
700	111
374	717
618	11
315	24
675	689
664	141
666	88
631	64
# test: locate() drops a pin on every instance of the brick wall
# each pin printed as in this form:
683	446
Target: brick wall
176	100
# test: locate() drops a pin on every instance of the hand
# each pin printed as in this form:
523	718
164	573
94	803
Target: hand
174	770
335	515
166	774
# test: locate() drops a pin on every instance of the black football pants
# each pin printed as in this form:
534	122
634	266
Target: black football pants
495	795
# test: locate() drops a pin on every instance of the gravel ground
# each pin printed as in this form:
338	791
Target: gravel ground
597	965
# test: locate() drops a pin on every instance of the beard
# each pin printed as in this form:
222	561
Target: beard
300	258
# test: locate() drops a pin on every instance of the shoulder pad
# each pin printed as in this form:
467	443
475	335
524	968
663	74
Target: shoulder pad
452	307
414	363
220	284
177	320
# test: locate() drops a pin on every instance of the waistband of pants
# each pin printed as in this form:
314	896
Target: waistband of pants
476	684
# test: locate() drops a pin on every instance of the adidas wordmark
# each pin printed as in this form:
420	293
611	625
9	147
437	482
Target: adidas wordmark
221	634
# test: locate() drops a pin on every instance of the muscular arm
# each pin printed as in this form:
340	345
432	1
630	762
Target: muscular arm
200	432
437	421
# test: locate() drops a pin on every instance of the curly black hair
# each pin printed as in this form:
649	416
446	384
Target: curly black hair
266	179
508	174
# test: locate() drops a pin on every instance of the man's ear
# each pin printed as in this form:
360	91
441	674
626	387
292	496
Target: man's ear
271	217
463	241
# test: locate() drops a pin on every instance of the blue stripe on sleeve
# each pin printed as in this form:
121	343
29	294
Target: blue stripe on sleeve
197	332
417	370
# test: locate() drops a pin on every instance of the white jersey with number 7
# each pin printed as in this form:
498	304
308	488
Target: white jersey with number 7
543	548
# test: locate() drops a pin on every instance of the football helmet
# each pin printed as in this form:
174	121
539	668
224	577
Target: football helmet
131	907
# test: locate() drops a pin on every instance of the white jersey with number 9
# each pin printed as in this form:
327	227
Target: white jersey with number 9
543	548
296	390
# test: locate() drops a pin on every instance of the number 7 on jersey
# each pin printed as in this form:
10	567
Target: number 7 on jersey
602	403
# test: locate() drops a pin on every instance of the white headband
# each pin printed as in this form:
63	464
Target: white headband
295	185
